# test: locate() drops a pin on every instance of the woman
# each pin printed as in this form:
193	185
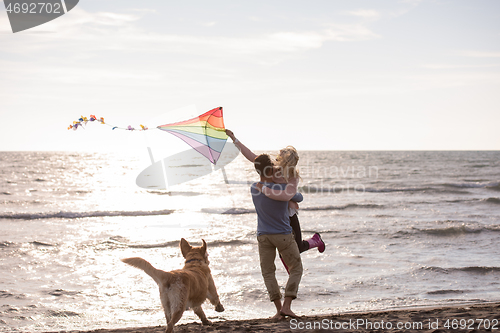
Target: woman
285	171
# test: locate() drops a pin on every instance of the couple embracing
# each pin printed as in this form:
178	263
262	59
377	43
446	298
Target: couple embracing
275	198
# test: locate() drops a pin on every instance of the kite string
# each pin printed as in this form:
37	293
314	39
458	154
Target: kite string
226	181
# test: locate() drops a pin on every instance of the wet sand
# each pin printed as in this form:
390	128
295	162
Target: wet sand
483	317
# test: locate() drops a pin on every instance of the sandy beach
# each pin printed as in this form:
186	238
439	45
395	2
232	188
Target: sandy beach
463	318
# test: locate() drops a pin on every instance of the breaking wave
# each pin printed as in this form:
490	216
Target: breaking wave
480	270
362	189
493	200
491	185
446	292
452	188
240	211
459	230
77	215
215	243
64	314
348	206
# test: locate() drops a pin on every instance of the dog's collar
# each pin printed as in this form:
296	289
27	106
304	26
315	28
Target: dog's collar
190	260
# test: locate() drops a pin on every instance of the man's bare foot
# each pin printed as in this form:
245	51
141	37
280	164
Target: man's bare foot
277	317
288	313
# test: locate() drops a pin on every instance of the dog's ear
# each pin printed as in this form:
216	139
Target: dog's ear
185	247
204	247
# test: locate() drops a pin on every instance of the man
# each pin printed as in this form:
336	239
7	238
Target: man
274	232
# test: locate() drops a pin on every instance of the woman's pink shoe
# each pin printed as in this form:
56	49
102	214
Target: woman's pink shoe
316	241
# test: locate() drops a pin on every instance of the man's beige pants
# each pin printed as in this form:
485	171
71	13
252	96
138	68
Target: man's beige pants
289	251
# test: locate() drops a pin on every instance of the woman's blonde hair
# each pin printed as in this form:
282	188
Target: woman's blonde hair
287	160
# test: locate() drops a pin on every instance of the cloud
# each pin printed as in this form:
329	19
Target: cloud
87	32
448	66
453	79
480	54
392	12
114	19
286	41
364	13
350	32
411	2
263	45
95	48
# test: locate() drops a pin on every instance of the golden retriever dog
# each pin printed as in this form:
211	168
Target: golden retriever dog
184	288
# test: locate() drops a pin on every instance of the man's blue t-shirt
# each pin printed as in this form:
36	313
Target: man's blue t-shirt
272	215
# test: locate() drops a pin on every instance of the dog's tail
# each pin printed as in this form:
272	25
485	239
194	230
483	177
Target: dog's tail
146	267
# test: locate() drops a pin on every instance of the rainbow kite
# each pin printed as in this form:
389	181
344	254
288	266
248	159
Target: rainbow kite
206	133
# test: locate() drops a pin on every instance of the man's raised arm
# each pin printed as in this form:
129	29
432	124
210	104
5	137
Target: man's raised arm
249	155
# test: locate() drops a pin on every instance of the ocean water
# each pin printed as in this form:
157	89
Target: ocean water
402	229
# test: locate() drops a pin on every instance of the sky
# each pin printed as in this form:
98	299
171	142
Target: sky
318	75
